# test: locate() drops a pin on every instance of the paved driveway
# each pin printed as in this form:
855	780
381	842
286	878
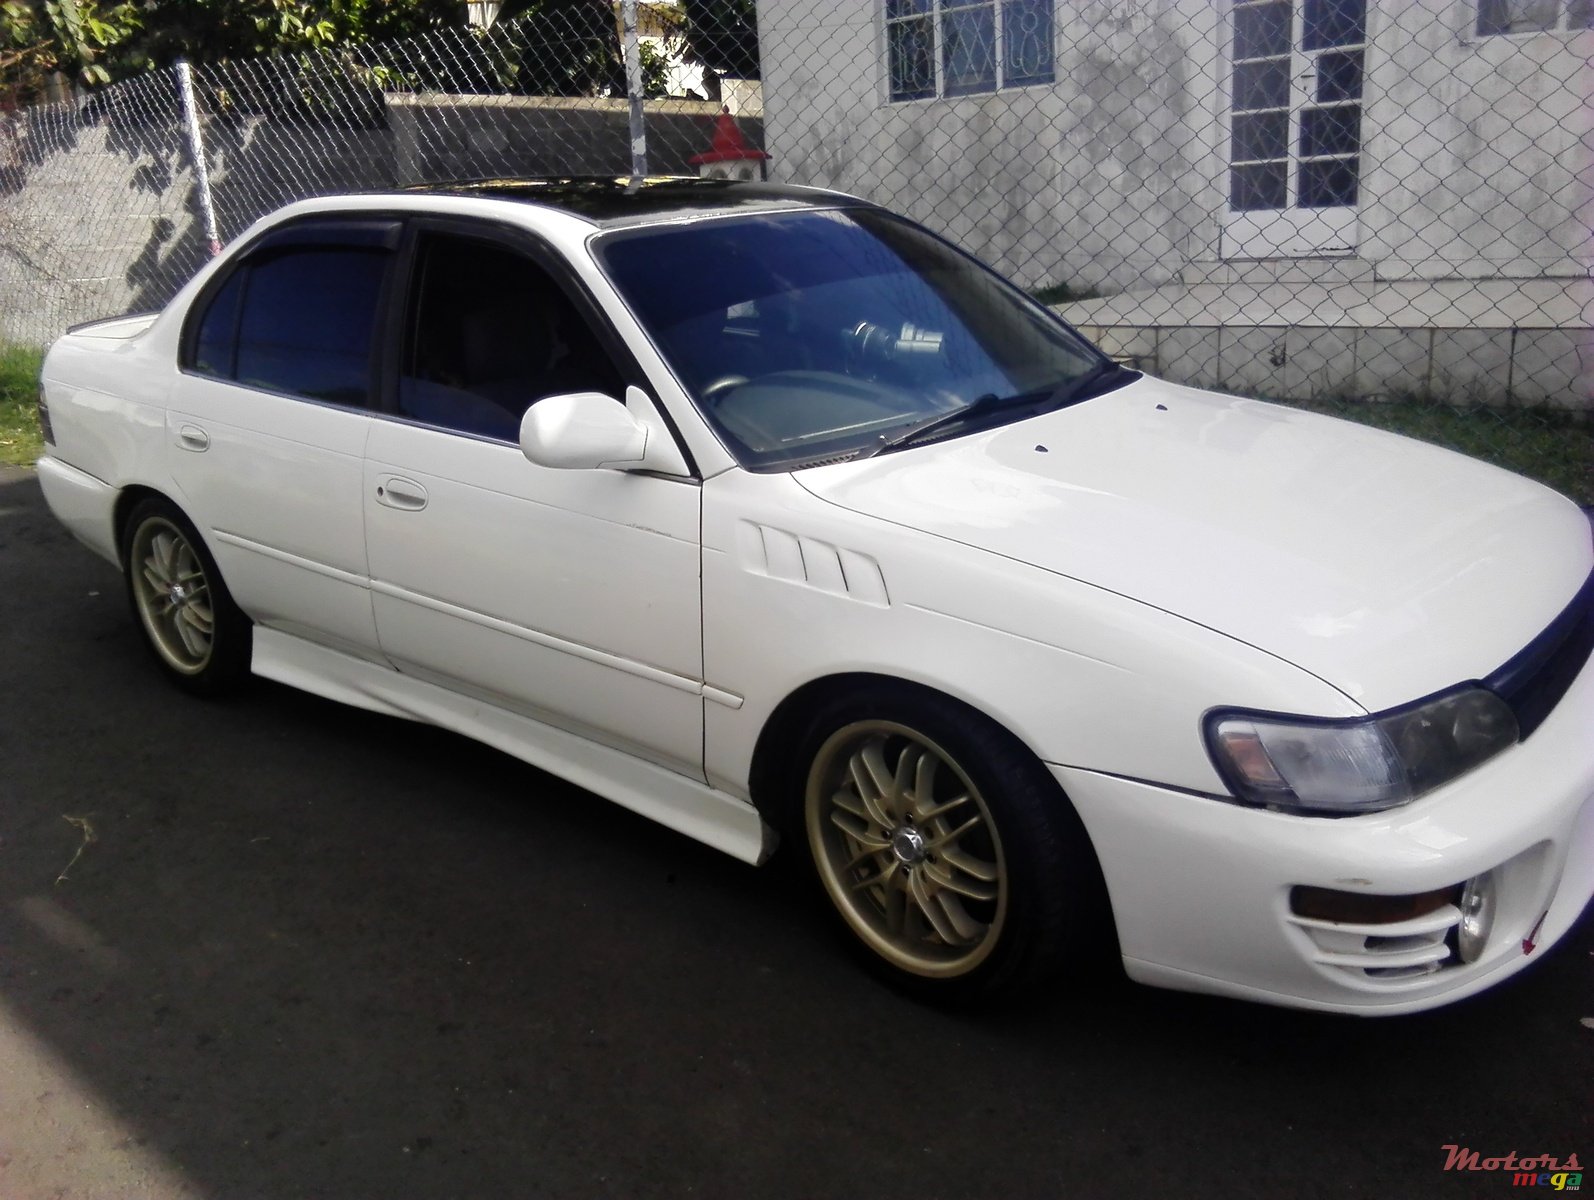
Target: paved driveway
313	952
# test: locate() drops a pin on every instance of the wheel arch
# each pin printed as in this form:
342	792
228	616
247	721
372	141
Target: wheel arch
778	748
127	500
777	743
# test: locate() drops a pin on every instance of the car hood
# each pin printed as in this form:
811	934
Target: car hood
1387	567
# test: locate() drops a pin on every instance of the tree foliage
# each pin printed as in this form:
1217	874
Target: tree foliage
564	48
723	35
538	47
210	31
76	38
97	41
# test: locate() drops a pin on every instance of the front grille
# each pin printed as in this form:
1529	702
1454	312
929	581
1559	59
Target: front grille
1384	951
1534	681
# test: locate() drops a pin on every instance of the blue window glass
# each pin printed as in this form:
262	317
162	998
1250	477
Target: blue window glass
968	49
1331	130
307	323
912	58
1339	76
216	343
1026	42
1329	183
817	332
1260	136
1334	23
1262	85
1260	186
1261	30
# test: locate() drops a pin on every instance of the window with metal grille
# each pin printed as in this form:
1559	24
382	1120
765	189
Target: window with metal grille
964	47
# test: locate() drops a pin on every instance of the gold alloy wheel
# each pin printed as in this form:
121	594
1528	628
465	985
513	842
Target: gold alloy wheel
906	848
172	595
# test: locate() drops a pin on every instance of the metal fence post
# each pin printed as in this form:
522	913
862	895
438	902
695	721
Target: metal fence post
196	151
633	87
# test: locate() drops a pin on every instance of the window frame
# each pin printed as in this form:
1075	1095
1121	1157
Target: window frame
327	230
510	238
936	18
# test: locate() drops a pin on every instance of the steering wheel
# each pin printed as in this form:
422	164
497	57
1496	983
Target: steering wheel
715	391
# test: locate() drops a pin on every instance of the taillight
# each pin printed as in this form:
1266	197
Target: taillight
44	419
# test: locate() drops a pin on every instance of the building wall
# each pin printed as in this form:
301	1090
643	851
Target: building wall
1103	178
1478	153
1481	150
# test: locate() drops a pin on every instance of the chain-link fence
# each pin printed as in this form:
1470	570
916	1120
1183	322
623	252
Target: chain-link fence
108	204
1374	206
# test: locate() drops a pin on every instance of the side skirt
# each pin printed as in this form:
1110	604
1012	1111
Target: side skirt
681	804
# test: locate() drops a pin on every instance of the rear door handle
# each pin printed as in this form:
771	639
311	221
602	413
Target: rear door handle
397	492
192	437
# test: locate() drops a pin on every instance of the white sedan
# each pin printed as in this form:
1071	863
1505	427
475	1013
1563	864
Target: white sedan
761	509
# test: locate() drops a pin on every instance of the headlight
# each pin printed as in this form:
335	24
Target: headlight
1361	764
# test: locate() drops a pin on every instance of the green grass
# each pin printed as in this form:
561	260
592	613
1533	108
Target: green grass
20	440
1550	445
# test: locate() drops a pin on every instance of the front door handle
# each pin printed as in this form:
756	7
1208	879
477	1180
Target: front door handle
397	492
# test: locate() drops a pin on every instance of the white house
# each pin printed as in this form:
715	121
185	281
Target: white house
1296	196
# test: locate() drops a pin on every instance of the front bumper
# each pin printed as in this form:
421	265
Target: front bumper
1200	888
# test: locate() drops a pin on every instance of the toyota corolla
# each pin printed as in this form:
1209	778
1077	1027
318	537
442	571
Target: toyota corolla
773	516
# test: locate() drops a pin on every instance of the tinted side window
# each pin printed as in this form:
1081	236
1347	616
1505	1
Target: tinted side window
489	334
216	343
307	322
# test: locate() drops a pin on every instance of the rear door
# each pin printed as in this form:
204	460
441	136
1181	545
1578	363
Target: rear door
267	427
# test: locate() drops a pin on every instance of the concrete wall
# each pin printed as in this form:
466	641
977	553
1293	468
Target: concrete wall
1103	178
451	137
1481	150
1531	367
98	213
94	222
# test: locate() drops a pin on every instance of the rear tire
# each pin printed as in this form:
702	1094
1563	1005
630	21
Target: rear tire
190	624
948	851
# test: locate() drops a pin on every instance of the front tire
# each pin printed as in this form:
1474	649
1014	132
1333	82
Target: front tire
198	635
948	851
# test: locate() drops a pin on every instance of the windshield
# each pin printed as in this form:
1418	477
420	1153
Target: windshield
819	334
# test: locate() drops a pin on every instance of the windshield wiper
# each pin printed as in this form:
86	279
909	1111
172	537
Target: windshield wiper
983	406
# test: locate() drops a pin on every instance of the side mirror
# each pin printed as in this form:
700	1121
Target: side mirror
582	431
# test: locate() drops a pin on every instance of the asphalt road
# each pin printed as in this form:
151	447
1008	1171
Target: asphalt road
311	952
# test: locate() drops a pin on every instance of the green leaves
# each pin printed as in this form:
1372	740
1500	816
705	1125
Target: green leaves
75	37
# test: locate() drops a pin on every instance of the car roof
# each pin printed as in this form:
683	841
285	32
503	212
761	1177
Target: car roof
607	201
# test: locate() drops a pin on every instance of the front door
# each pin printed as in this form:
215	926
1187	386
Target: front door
572	597
1295	127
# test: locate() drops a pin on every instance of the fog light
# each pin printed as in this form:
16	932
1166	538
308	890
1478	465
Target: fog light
1477	916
